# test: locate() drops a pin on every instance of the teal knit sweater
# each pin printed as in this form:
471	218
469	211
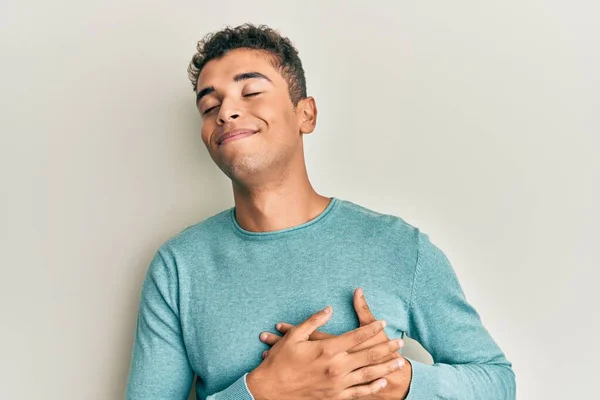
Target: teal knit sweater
211	289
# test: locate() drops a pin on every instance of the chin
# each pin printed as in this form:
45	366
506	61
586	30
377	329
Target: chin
243	168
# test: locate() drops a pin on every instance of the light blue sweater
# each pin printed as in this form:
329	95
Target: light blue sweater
211	290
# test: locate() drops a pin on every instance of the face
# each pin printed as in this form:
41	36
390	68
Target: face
249	124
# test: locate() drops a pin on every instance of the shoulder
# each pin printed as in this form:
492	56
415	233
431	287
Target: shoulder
189	238
378	223
433	266
188	243
394	230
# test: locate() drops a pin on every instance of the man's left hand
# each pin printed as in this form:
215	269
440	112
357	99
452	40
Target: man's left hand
398	382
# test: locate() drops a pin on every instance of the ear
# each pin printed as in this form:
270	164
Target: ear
307	114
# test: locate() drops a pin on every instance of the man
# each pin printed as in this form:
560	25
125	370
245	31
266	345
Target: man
283	253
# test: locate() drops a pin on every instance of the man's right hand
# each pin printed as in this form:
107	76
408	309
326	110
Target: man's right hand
298	369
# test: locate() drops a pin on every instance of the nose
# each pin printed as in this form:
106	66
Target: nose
227	113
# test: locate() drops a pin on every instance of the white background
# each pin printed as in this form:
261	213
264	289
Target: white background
475	121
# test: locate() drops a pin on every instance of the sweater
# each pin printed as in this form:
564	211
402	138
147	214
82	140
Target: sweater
211	289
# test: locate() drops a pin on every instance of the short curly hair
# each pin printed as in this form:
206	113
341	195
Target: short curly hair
280	50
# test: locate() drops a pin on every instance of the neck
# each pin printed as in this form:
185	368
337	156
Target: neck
278	204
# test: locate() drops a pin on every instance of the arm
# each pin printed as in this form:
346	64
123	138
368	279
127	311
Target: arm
468	362
159	367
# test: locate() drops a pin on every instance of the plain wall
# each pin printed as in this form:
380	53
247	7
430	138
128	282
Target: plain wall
475	121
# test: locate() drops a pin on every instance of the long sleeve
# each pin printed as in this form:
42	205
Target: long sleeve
159	367
468	364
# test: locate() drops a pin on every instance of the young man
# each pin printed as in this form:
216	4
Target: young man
283	253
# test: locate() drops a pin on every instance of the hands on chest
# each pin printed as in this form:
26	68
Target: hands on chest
307	364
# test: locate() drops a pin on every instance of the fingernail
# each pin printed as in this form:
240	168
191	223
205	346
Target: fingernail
383	323
400	342
383	383
360	293
327	310
263	336
278	326
400	362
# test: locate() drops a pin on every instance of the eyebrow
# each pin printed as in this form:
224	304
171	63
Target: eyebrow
237	78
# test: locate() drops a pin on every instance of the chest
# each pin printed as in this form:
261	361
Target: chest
224	313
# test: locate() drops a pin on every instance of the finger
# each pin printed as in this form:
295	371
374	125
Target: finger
356	392
265	354
365	316
303	331
269	338
373	355
316	335
372	372
283	327
390	356
355	337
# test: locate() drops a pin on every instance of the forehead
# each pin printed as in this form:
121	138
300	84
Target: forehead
222	70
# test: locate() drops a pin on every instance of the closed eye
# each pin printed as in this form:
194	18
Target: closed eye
210	109
246	95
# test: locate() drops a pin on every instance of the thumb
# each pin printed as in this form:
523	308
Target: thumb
303	331
316	335
365	316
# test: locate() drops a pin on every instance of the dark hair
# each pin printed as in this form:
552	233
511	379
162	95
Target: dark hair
280	50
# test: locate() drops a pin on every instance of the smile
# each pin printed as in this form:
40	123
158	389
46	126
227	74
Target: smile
235	136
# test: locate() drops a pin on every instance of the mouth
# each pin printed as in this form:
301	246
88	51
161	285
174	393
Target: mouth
234	135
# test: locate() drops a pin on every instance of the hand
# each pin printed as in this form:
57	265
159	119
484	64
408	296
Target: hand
299	369
398	381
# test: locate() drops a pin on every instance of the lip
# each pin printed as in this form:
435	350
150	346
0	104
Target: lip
232	133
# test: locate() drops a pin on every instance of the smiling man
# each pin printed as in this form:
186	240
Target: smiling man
214	293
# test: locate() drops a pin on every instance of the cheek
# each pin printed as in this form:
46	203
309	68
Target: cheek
263	110
205	132
275	115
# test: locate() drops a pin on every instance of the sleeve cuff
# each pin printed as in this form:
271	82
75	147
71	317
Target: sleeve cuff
246	386
238	390
424	384
437	381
